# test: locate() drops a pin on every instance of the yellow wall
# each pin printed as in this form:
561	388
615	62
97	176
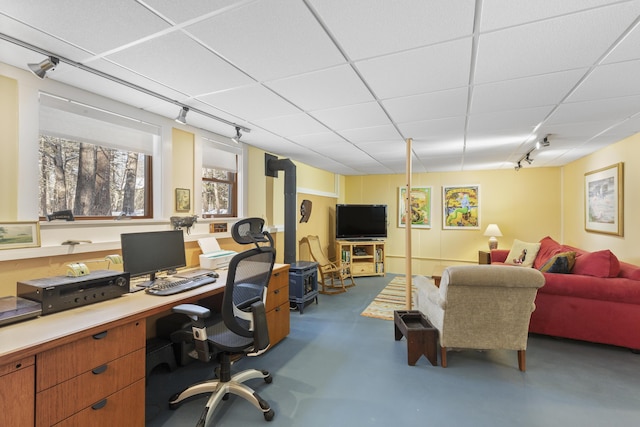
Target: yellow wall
183	161
526	205
624	247
9	146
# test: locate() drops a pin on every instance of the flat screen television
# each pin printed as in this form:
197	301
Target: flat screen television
152	252
361	222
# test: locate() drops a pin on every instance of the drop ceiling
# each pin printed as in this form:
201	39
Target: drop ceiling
342	84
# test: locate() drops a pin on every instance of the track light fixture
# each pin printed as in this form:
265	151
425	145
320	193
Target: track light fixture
182	116
541	143
236	138
40	69
50	63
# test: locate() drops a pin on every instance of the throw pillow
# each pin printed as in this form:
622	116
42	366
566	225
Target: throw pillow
598	264
548	248
522	253
560	263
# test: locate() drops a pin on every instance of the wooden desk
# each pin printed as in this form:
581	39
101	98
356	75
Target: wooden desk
91	360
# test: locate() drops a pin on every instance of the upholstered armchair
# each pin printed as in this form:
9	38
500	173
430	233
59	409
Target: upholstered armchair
480	307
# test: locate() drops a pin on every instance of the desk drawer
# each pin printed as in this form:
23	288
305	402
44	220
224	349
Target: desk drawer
278	289
278	322
65	399
362	267
69	360
124	408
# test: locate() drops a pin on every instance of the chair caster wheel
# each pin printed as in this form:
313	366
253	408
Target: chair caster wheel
268	379
268	416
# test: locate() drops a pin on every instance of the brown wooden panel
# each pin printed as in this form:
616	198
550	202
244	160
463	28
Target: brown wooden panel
69	360
124	408
17	397
69	397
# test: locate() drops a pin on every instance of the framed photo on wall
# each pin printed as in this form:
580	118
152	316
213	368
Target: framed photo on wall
420	202
183	200
604	200
461	207
16	235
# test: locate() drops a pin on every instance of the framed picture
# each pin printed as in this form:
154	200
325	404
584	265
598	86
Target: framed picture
461	207
604	200
183	200
420	202
15	235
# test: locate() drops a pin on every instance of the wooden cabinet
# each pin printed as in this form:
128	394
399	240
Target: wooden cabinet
87	381
484	257
277	305
365	258
17	393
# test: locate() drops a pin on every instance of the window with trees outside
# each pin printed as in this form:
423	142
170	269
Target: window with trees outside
219	181
92	162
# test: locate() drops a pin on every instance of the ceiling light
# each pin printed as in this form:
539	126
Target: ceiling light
528	159
236	138
40	69
544	142
182	116
518	167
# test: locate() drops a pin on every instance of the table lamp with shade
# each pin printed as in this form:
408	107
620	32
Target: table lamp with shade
493	231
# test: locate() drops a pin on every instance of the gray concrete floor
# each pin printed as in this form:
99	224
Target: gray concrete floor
337	368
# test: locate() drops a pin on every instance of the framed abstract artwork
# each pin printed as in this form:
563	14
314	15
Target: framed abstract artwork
420	203
604	200
461	207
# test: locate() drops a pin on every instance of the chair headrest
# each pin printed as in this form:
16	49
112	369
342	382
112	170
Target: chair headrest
250	230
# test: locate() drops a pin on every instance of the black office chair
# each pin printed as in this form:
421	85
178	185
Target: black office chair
242	326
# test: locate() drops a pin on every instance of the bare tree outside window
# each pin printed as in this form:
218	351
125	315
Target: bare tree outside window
218	193
91	180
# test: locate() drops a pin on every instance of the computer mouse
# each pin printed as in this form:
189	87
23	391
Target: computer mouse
213	274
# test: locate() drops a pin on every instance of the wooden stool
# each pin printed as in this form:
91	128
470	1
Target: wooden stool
422	337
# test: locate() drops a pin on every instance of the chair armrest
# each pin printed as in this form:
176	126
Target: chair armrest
194	311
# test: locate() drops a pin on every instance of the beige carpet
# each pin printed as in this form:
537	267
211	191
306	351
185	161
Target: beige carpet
391	298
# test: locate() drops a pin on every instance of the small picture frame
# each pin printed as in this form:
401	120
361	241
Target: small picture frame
183	200
604	200
420	202
21	234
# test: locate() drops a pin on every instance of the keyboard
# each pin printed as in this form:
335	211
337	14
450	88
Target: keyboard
167	287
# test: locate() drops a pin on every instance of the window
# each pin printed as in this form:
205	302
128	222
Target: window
219	182
92	162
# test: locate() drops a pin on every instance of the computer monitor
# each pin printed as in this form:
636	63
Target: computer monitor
152	252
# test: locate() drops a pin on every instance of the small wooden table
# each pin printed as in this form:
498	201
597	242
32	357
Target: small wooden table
436	275
422	337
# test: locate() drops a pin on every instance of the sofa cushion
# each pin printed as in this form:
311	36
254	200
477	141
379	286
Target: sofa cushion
629	271
560	263
598	264
615	289
522	253
548	248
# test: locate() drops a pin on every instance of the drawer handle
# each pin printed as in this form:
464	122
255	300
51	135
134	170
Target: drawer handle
99	405
276	274
276	292
99	370
100	335
277	309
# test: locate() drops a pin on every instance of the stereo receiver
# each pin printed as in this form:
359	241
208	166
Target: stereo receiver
62	292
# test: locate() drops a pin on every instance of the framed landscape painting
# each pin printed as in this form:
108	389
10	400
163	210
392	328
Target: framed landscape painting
461	207
15	235
604	200
420	202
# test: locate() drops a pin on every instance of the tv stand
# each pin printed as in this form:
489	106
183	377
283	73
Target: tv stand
365	256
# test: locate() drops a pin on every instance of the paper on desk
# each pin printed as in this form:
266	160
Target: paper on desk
208	244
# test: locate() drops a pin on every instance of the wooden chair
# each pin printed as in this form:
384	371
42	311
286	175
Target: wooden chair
330	273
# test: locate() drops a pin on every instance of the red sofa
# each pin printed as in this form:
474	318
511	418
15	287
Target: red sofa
598	301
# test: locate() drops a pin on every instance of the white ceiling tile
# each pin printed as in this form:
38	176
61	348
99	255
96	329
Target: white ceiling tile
429	106
184	71
291	125
627	49
450	128
270	40
602	109
369	28
526	119
505	13
97	26
429	69
611	81
352	116
323	89
374	133
525	50
321	139
536	91
186	10
250	102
